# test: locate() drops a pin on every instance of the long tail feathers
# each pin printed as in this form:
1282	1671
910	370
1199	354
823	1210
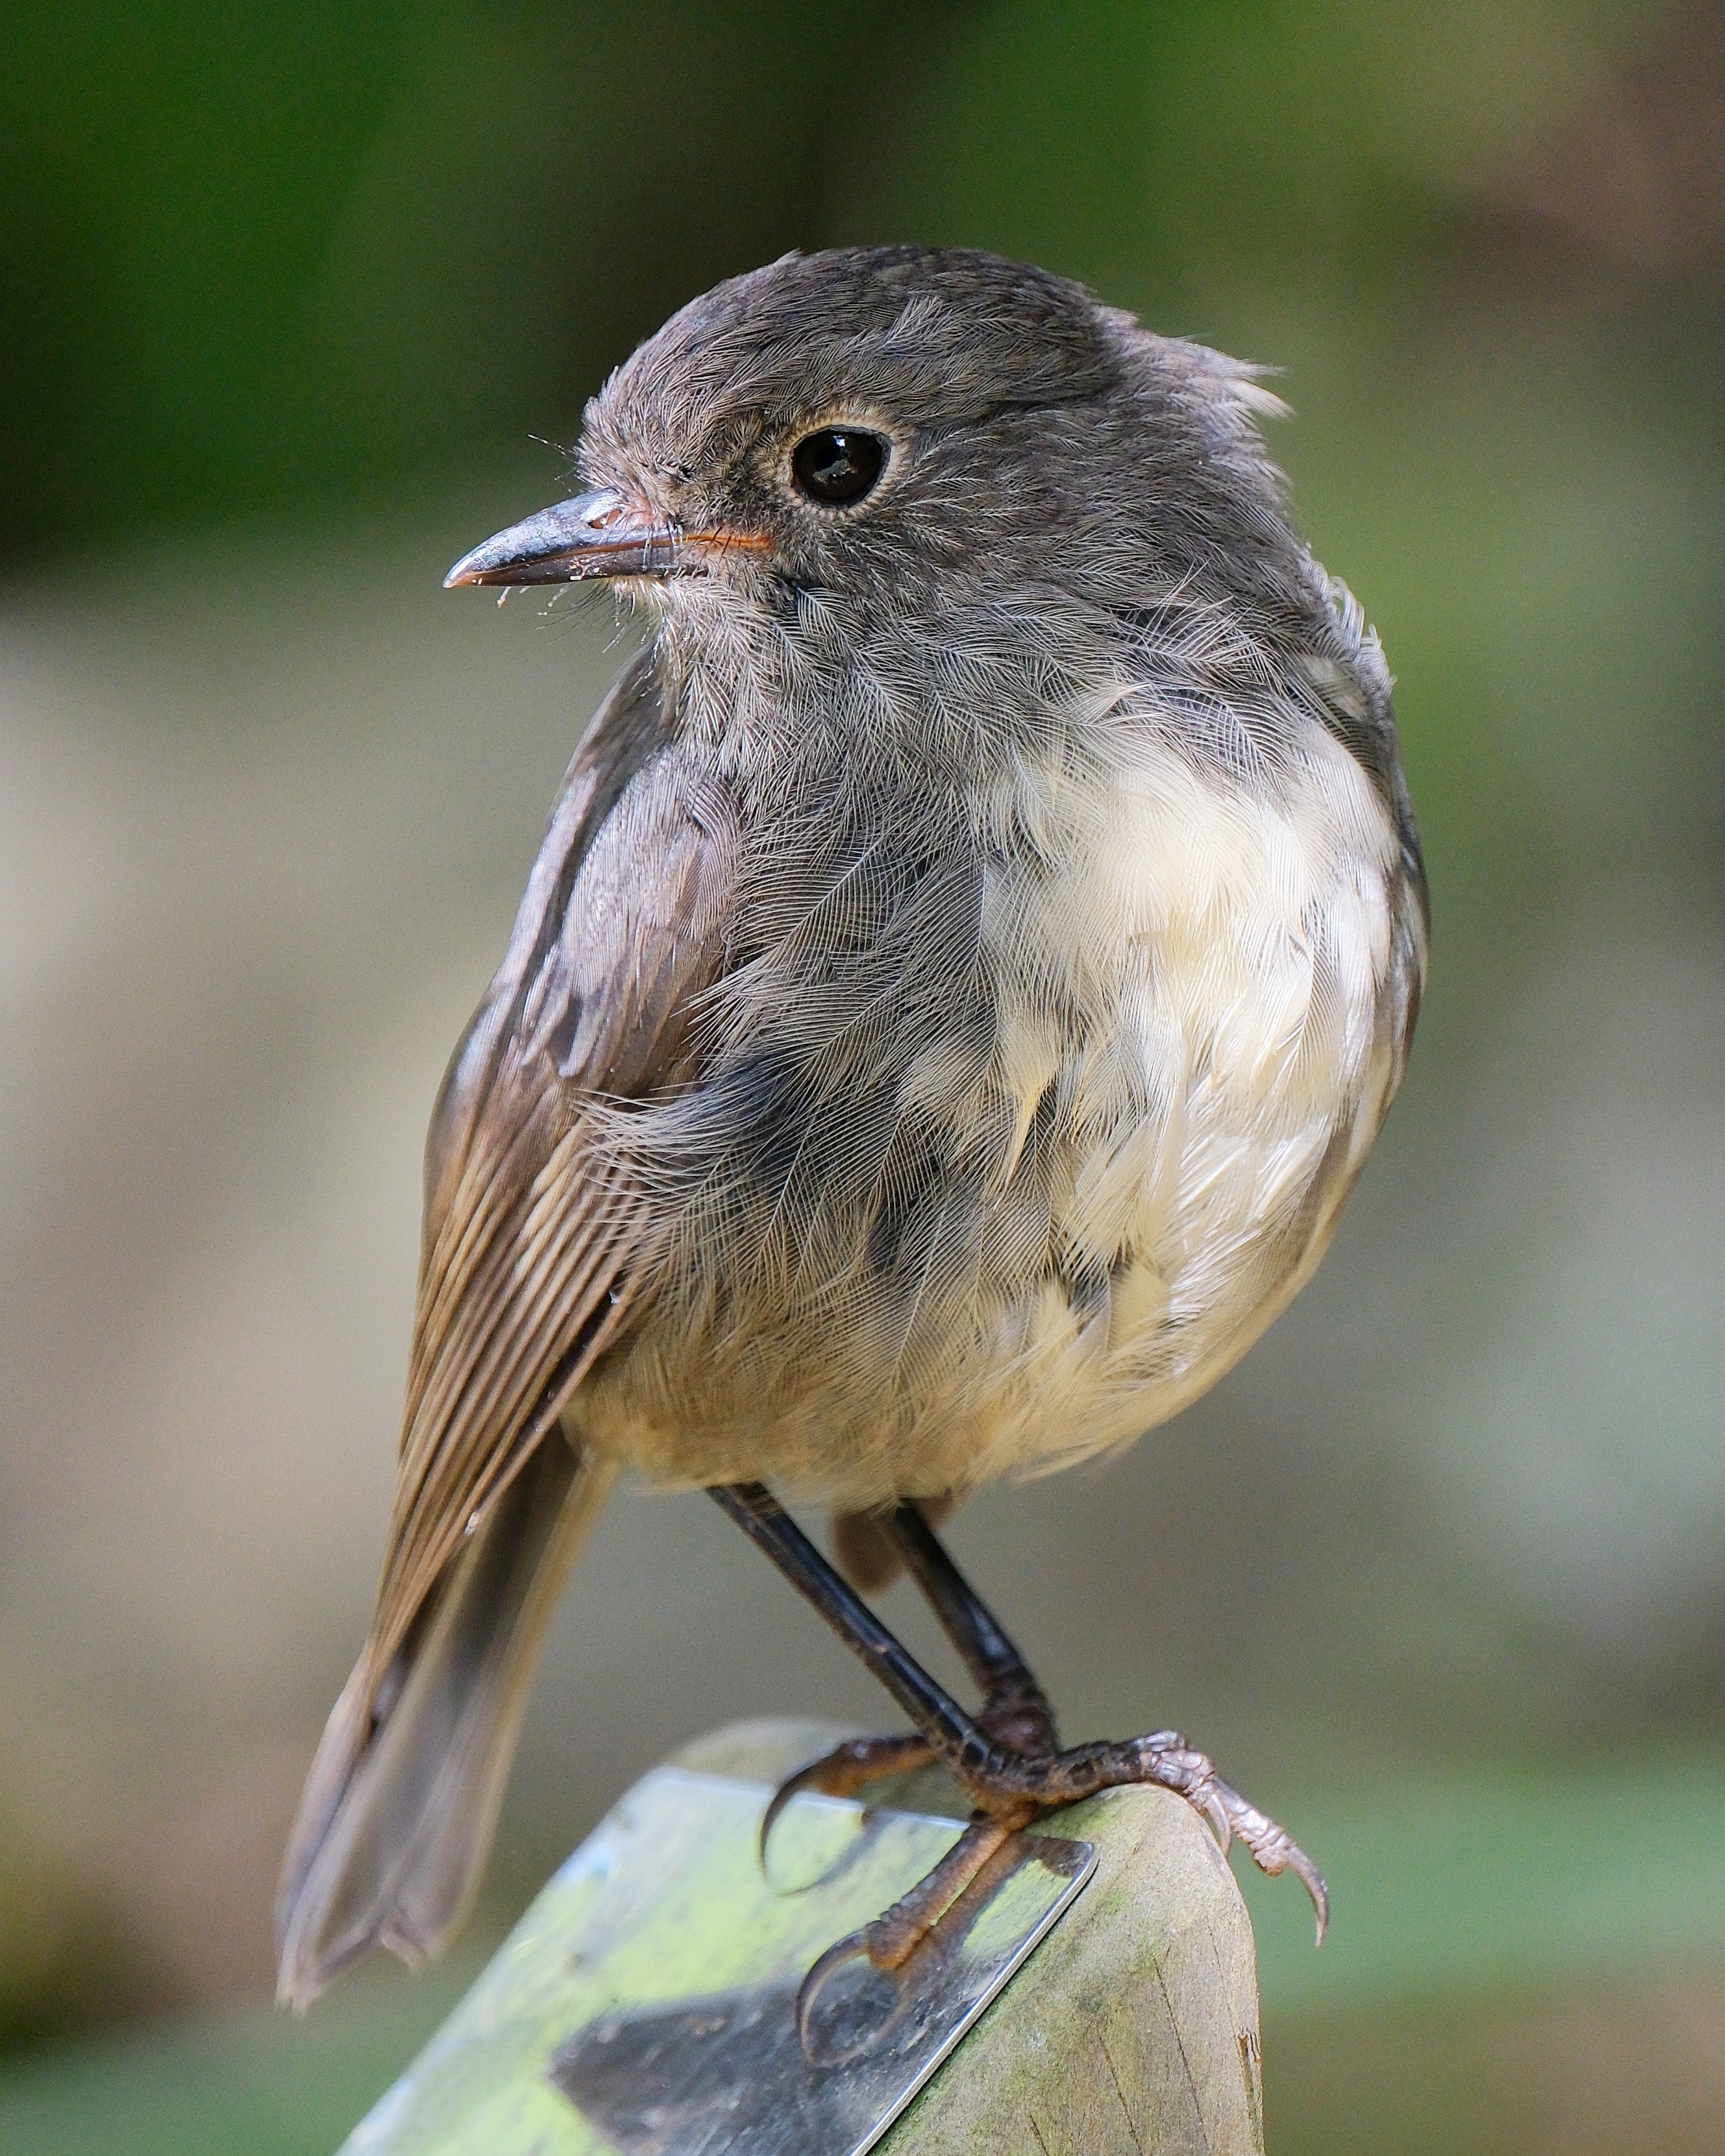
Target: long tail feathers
402	1800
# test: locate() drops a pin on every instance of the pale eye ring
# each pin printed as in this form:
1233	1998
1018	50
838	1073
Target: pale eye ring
837	466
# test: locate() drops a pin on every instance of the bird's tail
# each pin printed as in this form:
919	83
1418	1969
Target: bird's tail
402	1800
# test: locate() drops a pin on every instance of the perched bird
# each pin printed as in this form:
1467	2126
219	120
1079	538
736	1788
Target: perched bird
975	947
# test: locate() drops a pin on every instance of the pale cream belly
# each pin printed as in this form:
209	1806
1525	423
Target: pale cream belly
834	1400
1192	1060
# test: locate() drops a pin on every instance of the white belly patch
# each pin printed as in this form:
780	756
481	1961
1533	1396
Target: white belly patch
1186	980
1199	976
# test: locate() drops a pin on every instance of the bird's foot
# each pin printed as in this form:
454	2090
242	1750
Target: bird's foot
1011	1788
843	1772
933	1918
1016	1715
998	1783
1167	1758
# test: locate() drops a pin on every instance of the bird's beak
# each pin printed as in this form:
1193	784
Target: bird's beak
602	534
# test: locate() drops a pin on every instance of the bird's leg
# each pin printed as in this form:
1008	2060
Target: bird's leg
954	1736
1015	1712
1009	1788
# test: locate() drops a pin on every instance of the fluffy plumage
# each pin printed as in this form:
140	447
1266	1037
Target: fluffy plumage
974	951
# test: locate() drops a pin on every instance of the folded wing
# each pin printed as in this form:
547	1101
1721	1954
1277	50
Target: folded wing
531	1268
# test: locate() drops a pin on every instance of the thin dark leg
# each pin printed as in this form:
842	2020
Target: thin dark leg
950	1731
1002	1784
1016	1711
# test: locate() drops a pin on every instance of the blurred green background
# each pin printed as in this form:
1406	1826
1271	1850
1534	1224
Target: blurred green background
294	303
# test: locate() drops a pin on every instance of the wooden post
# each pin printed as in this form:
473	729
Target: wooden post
1134	2027
643	2007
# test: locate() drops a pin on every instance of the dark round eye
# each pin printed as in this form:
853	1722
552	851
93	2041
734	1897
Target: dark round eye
838	466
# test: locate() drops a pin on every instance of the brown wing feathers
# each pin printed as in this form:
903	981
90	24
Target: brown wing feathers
502	1334
529	1270
498	1319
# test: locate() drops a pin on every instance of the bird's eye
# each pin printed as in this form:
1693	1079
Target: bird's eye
838	466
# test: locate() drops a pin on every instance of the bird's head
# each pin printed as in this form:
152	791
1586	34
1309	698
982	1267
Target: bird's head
869	426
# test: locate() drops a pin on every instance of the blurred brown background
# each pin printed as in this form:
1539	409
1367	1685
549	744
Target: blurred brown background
289	298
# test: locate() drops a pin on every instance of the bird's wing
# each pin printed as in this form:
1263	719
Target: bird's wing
526	1270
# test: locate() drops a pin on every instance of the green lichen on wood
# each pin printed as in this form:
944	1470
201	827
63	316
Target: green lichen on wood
1133	2027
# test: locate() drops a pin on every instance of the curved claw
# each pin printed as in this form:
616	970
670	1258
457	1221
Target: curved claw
1216	1812
842	1772
805	1777
1312	1879
1274	1849
854	1946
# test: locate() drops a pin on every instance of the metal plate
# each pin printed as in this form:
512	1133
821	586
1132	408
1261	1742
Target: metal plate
643	2007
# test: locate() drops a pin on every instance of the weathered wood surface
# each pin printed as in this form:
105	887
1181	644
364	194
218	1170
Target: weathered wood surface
1132	2030
643	2006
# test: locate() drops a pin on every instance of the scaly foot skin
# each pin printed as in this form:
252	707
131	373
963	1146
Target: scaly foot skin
1167	1758
847	1769
1047	1780
1010	1790
1164	1758
1016	1715
936	1915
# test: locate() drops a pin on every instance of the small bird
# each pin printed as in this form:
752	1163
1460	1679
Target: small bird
975	947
